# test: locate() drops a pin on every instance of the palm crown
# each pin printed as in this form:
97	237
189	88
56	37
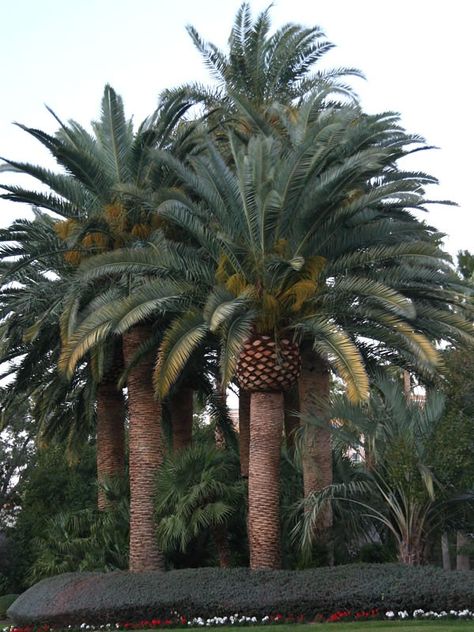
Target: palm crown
309	232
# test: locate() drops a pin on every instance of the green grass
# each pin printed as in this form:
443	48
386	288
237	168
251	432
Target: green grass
360	626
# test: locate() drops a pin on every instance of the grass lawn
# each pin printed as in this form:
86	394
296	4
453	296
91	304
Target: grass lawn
360	626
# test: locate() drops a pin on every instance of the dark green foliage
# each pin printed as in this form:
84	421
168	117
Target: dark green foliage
375	553
85	540
49	486
198	490
465	264
99	598
5	602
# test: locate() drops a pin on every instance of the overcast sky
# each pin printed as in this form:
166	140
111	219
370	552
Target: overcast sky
414	53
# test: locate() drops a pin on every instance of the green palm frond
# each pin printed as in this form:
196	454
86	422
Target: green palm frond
334	344
179	342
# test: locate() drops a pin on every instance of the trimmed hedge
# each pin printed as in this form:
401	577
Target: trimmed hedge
98	598
5	602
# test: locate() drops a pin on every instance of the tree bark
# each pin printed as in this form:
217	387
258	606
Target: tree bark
445	551
410	551
266	426
181	407
244	431
110	437
292	419
462	559
407	384
222	545
317	453
146	454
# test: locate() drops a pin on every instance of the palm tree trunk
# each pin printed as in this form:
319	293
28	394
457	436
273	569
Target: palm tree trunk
445	551
146	454
110	437
181	406
317	453
266	425
222	545
292	420
244	431
410	551
462	559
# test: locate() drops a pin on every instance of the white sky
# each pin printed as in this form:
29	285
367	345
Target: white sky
414	53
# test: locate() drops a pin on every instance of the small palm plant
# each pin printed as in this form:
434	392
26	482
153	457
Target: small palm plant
198	491
399	488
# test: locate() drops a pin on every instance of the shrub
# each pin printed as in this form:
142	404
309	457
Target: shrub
97	598
5	602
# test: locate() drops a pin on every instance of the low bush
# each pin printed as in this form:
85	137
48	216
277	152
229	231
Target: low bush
5	602
98	598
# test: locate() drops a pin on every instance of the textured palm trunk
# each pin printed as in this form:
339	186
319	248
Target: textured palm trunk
146	447
410	550
317	453
445	551
181	406
244	431
266	426
222	545
462	559
110	437
292	419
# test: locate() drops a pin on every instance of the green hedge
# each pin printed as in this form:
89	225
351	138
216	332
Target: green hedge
97	598
5	602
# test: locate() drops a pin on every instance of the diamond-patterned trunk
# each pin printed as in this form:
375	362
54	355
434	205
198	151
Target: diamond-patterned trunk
266	365
146	454
266	368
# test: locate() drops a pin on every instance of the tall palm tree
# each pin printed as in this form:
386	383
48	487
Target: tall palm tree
108	174
307	240
259	70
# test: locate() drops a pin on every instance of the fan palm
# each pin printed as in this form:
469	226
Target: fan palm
198	489
305	239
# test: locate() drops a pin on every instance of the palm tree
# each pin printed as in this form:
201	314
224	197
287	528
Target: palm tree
258	71
307	239
106	174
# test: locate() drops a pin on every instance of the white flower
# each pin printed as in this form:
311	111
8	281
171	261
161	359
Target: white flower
390	614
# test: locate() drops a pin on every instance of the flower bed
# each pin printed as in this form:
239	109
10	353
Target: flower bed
180	621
